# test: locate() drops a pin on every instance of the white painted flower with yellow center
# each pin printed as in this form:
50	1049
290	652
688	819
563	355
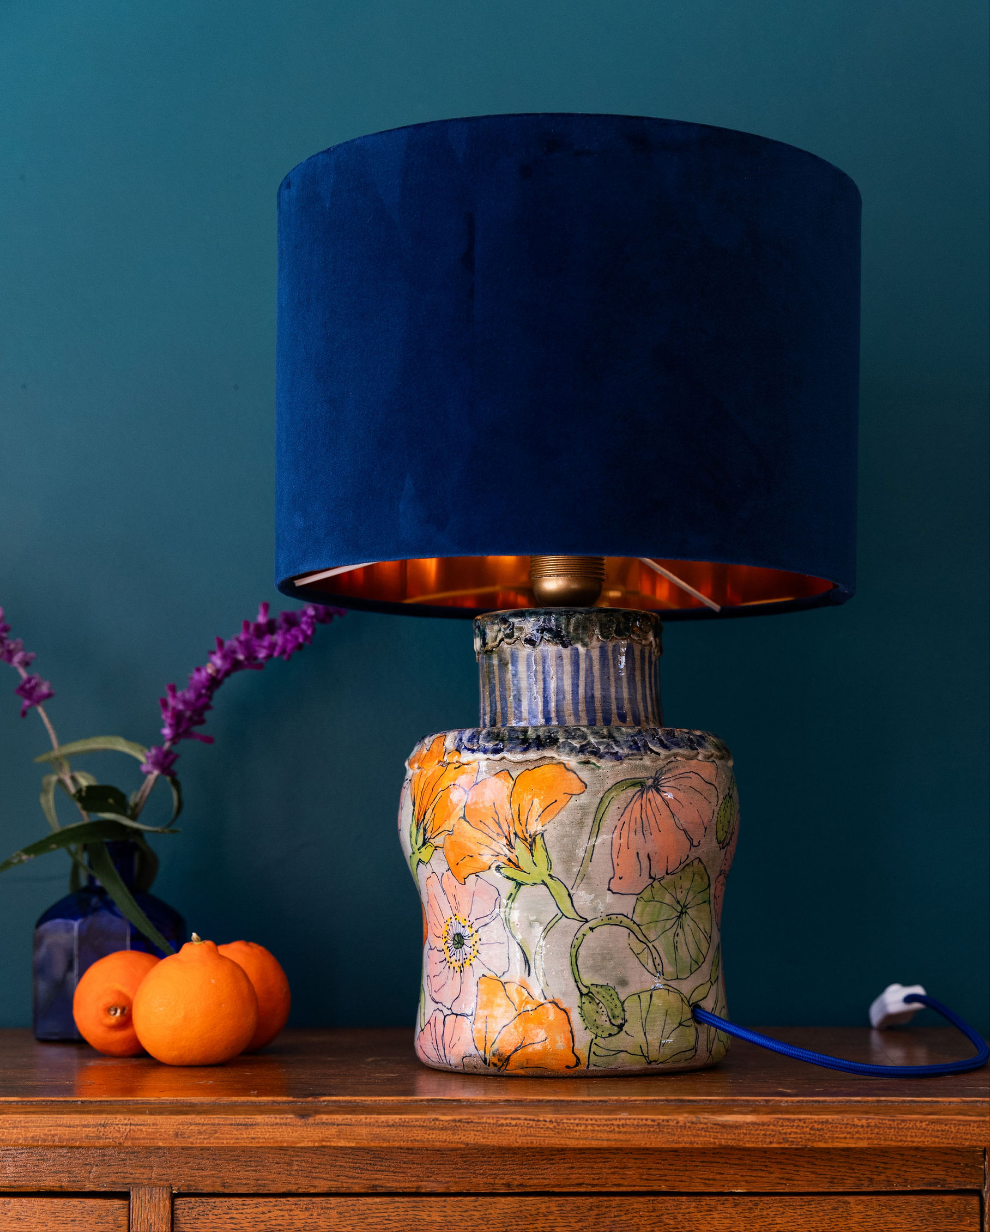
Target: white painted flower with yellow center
465	939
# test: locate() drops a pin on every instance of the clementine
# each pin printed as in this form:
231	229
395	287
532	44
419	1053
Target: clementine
196	1008
103	998
270	984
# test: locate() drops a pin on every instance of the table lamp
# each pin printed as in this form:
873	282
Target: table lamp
570	376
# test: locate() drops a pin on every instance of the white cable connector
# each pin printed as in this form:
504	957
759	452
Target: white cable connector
889	1010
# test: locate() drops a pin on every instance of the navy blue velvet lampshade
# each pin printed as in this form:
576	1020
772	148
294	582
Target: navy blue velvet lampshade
567	335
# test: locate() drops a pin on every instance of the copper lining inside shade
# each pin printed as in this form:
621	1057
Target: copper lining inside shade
473	584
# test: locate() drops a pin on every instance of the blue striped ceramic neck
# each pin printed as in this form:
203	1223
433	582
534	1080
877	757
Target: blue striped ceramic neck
569	667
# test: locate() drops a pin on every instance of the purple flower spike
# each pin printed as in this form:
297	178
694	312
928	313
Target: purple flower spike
258	641
12	649
34	691
159	761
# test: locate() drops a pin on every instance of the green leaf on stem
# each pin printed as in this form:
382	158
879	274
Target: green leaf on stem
113	883
136	825
101	798
47	799
71	836
176	798
676	915
146	865
602	1011
96	744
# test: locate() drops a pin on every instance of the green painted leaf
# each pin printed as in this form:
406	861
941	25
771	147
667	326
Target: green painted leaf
601	1010
676	915
101	798
658	1029
701	991
716	1041
96	744
725	819
112	882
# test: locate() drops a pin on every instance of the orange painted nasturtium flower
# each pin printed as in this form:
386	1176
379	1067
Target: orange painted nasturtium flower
514	1031
438	787
503	821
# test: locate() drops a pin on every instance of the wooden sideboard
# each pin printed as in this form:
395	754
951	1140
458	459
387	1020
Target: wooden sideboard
345	1130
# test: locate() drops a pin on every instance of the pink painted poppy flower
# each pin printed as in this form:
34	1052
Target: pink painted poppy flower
465	939
447	1042
662	824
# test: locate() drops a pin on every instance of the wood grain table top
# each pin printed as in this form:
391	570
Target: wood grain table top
353	1087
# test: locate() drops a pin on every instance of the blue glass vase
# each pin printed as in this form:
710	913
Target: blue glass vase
86	925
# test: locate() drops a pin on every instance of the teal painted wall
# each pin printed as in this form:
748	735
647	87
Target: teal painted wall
142	146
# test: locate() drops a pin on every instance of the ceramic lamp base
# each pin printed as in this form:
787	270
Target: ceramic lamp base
571	875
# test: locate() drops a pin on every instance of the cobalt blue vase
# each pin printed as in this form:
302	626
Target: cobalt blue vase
86	925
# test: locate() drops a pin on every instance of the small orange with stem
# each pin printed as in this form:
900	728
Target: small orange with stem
103	1000
270	984
196	1007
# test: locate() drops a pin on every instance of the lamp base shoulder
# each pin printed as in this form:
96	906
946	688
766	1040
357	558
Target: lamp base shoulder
608	744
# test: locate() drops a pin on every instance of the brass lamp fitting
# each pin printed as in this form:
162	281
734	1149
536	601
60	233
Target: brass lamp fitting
567	581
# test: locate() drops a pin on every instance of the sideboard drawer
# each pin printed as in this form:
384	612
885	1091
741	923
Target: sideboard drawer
583	1213
25	1214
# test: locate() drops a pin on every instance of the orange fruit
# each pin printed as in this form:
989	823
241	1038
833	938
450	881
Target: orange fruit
196	1007
270	984
103	998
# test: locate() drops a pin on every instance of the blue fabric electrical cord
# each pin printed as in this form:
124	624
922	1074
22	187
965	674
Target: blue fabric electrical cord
858	1067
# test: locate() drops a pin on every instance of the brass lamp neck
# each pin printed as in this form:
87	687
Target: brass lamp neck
567	581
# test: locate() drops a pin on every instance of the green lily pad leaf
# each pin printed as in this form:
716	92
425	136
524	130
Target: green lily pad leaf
96	744
725	819
601	1010
716	1041
101	798
676	915
701	991
658	1029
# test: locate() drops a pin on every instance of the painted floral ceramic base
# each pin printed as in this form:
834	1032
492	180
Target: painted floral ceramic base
572	882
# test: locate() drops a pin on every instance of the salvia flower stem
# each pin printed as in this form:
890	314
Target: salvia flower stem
32	691
259	641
